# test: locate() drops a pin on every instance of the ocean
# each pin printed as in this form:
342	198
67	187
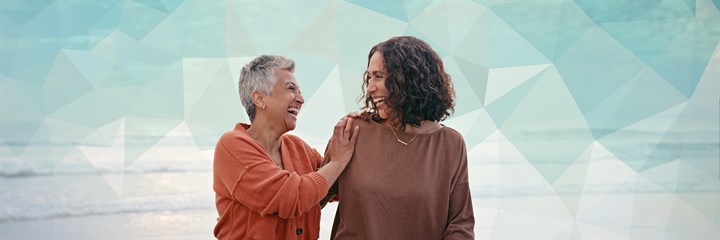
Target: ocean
166	193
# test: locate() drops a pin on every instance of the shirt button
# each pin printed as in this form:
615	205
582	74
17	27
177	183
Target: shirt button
298	231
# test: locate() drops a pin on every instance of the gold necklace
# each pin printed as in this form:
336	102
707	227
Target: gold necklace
408	142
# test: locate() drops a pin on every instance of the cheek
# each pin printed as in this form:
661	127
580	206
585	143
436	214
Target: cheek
381	85
384	91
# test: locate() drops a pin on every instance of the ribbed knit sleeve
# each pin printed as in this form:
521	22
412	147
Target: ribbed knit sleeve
246	174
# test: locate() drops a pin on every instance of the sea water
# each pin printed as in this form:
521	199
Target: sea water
167	190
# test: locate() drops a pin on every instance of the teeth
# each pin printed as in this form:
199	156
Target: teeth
294	110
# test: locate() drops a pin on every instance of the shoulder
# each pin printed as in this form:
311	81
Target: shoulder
451	132
369	130
295	142
235	136
292	139
362	123
298	147
453	145
366	125
237	139
237	146
453	136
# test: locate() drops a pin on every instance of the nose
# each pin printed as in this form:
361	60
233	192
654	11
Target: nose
371	87
299	98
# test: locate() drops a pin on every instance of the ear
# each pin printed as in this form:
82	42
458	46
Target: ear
258	100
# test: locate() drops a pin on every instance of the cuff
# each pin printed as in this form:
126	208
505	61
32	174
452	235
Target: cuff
321	184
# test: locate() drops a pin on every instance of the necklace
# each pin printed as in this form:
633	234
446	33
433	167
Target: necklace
408	142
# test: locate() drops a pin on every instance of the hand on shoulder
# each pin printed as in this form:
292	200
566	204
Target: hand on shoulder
364	114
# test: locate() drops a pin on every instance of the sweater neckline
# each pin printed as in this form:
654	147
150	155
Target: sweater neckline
442	126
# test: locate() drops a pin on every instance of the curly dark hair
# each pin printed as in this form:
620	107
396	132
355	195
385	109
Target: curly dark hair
418	86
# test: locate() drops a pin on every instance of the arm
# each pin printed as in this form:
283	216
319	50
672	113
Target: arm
249	177
333	193
461	220
246	174
340	149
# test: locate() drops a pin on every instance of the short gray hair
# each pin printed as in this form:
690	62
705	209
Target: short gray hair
260	76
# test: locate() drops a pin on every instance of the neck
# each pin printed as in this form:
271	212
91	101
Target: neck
266	135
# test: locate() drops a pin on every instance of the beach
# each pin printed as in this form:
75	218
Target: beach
167	194
510	220
180	224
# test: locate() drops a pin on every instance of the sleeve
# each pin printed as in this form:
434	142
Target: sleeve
332	195
461	219
319	159
333	192
249	177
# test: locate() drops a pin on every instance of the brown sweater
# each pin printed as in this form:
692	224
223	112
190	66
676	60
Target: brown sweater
393	191
255	199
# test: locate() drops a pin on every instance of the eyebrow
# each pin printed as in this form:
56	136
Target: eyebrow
375	72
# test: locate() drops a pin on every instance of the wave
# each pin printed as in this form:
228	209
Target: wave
129	141
37	198
41	173
15	167
604	189
4	219
637	133
38	161
18	211
168	160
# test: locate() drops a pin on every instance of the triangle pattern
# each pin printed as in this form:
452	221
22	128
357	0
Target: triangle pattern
108	160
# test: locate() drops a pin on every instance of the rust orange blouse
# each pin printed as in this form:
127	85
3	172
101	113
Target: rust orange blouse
255	199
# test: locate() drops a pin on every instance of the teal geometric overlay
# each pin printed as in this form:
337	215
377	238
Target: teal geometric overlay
583	119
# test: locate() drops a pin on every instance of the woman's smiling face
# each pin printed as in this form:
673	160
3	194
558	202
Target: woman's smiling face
375	76
285	101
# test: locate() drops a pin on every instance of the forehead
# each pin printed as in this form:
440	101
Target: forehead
377	62
284	76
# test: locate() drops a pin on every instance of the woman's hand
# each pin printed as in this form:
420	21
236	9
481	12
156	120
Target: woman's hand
342	142
340	149
364	114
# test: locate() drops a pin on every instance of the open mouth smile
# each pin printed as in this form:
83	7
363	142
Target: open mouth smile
294	111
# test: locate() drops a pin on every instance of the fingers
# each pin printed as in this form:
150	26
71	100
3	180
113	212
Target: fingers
341	123
353	138
357	114
339	128
352	115
344	130
348	128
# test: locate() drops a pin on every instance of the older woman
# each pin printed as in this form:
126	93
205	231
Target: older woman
268	184
408	179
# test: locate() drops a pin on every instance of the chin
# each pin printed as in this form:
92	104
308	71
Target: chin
383	114
290	126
